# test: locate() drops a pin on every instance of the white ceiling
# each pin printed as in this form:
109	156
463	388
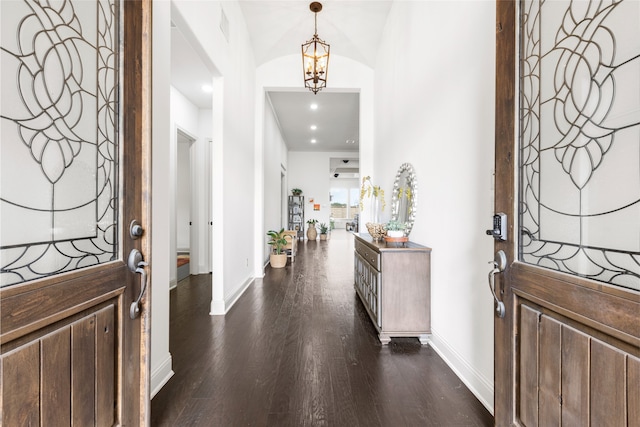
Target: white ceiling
278	28
344	167
352	28
336	119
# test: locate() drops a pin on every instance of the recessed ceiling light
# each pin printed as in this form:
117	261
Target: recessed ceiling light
313	141
207	88
314	106
314	127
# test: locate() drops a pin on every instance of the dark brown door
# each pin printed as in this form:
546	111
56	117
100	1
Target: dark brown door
75	173
567	351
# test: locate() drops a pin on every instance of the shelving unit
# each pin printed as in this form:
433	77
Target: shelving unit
296	215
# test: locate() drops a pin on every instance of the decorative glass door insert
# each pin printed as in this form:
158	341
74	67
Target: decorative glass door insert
59	129
580	138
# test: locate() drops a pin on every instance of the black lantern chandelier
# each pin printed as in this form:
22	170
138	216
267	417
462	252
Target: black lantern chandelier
315	57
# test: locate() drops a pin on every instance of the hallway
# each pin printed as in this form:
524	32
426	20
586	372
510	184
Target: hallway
299	349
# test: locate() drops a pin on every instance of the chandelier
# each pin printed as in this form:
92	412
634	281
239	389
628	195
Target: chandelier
315	57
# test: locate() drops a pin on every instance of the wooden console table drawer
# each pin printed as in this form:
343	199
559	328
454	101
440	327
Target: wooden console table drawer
369	254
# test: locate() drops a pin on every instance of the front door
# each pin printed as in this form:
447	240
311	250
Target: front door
567	351
75	170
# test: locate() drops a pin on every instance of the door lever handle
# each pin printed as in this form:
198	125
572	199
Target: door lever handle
499	265
137	265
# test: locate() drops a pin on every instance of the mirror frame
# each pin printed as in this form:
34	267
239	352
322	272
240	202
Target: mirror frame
411	182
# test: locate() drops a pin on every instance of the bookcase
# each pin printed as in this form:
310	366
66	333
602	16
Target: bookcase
296	215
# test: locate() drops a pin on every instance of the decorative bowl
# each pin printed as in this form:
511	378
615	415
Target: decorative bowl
377	231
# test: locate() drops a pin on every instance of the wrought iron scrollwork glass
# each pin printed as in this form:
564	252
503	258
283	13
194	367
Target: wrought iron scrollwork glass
59	189
580	138
404	200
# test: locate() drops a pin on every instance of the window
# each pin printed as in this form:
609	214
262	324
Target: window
345	202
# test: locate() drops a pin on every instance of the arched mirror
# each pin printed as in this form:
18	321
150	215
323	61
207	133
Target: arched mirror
404	199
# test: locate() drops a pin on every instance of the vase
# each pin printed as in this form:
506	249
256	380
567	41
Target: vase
312	233
376	210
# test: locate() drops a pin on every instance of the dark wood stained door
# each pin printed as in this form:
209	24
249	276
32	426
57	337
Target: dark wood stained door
568	350
70	352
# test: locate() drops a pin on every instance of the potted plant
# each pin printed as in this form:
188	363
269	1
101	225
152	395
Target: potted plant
278	257
312	233
323	231
296	191
395	228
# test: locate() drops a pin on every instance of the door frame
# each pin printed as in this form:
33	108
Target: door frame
137	96
505	158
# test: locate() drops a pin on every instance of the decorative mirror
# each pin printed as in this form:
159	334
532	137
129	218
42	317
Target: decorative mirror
404	198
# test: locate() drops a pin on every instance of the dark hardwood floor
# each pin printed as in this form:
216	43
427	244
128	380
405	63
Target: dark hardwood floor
298	349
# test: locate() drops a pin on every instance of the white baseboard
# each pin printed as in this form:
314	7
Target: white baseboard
220	308
477	383
217	308
173	283
161	375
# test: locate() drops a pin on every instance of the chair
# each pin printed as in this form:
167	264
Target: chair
291	236
353	225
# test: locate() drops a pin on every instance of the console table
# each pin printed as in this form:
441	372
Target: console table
394	284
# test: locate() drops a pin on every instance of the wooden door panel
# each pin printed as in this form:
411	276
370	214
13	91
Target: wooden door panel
65	377
570	378
20	386
30	307
83	370
56	377
550	372
614	314
607	386
575	377
633	391
105	366
529	365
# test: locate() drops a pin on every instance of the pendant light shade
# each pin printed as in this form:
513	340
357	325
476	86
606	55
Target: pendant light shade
315	57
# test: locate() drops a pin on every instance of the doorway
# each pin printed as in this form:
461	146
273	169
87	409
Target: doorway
184	204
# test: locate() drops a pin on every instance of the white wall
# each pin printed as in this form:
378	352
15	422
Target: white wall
309	171
233	174
274	163
435	110
158	291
